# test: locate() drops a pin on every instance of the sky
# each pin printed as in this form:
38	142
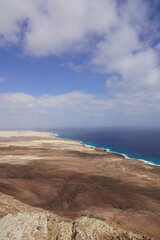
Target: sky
79	63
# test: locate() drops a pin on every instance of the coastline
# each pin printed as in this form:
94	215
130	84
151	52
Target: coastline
69	179
122	154
56	135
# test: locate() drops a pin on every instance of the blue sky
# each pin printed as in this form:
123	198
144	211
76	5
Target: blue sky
84	63
47	75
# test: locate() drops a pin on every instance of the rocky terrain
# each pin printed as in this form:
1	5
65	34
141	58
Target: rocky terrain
21	222
68	179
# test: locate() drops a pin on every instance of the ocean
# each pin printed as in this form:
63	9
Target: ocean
139	143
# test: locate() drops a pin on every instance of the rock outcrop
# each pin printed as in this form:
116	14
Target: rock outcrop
22	222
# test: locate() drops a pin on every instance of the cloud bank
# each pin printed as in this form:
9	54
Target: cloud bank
77	109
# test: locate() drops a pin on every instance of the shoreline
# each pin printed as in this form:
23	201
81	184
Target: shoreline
56	135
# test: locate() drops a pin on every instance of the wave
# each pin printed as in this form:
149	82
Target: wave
122	154
56	135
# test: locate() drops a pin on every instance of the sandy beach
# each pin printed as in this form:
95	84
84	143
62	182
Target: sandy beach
70	179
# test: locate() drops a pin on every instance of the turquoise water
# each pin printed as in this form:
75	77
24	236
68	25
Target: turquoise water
139	143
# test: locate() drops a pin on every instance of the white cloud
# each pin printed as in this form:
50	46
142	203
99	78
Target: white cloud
76	109
123	53
140	70
54	26
113	83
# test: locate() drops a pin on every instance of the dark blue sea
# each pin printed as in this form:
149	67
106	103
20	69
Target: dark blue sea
139	143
